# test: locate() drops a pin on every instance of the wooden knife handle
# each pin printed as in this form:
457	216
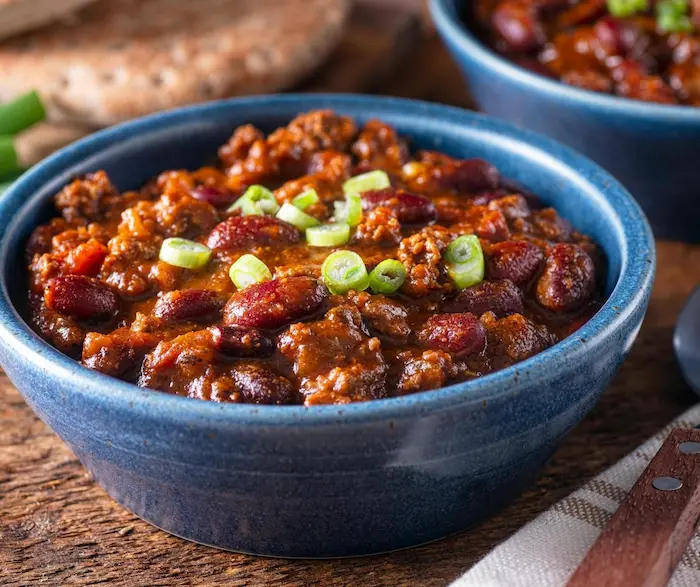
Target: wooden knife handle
649	533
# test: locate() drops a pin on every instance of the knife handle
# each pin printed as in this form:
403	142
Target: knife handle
646	538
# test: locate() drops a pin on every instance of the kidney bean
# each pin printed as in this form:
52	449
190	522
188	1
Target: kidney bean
517	24
409	208
241	342
273	304
86	259
258	385
219	197
517	261
472	175
245	231
460	334
187	304
500	297
568	279
80	297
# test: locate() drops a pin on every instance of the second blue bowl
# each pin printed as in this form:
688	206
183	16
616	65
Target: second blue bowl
651	148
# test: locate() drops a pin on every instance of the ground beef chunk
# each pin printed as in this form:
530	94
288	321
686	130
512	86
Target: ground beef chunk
90	197
419	372
118	353
334	359
516	336
239	145
328	170
378	226
311	132
384	315
380	146
421	255
63	332
183	216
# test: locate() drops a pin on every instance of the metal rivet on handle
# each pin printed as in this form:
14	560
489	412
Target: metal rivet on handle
690	447
667	483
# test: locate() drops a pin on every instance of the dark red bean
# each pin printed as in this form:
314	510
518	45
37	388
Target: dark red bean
518	26
459	334
187	304
82	298
241	342
611	32
472	175
514	260
273	304
568	280
219	197
409	208
245	231
258	385
500	297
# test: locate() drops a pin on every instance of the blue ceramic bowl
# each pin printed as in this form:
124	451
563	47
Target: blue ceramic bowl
651	148
332	480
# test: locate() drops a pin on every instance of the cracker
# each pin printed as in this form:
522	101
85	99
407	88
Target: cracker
19	16
124	58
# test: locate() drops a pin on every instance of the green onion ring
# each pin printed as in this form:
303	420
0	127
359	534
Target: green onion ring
328	235
387	277
184	253
343	271
249	270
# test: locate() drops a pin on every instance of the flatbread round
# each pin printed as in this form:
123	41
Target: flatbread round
123	58
18	16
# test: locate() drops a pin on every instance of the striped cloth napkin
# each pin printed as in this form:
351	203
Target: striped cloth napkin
545	552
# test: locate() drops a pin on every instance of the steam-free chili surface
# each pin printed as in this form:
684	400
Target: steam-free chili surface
652	53
100	293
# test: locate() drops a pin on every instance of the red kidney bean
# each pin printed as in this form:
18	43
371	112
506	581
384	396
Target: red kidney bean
258	385
409	208
472	175
514	260
568	279
219	197
86	259
459	334
241	342
80	297
500	297
273	304
517	24
245	231
611	32
187	304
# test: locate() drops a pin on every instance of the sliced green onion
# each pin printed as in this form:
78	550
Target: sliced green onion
8	156
181	252
349	211
624	8
257	200
387	277
306	199
249	270
343	271
293	215
672	16
465	261
372	180
21	113
328	235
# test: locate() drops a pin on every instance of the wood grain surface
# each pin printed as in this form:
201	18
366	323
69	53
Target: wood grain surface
58	528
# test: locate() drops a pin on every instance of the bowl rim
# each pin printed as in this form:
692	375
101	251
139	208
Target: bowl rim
448	22
632	287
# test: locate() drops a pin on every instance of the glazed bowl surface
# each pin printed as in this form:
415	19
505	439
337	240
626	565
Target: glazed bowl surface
650	148
335	480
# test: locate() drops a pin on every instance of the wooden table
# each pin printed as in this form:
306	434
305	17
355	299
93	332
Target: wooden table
59	528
